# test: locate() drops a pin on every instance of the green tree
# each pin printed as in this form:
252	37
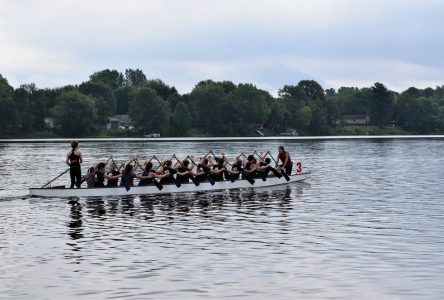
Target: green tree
318	125
135	78
304	116
5	89
251	104
111	78
162	89
40	103
380	104
149	111
75	113
105	102
293	99
7	110
181	120
8	121
312	91
277	117
420	115
23	109
208	106
123	96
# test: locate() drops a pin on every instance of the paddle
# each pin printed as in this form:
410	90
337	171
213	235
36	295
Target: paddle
177	183
193	179
118	170
56	177
210	180
282	171
158	185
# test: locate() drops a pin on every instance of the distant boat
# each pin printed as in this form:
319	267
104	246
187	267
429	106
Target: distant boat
289	132
152	135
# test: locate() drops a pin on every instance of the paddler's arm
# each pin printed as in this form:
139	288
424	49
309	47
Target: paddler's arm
112	177
183	173
136	160
263	156
151	176
80	157
225	160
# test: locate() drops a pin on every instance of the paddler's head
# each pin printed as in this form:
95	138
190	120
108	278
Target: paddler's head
101	167
74	144
186	163
148	166
128	169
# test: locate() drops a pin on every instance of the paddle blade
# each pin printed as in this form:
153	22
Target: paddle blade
250	180
158	185
286	176
126	185
195	181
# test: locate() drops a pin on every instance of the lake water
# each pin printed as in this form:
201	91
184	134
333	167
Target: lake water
368	224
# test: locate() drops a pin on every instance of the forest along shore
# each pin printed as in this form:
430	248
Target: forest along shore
113	104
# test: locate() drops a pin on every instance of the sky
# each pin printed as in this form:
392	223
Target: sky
270	43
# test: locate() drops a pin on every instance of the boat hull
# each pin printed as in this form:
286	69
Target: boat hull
167	189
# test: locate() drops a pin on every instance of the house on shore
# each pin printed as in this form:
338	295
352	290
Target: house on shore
49	123
355	120
120	121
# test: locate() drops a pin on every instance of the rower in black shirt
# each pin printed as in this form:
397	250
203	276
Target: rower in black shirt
249	171
113	171
264	167
148	175
101	176
203	169
236	170
183	171
217	174
169	171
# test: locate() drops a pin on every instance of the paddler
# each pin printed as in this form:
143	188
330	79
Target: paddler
284	157
149	174
74	159
101	175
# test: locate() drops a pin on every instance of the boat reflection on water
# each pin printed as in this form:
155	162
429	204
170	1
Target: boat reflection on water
102	218
147	206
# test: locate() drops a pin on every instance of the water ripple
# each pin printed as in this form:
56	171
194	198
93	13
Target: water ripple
368	224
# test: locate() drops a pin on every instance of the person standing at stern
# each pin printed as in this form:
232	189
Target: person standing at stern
74	159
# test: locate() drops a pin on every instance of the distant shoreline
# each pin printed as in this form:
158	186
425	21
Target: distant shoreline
210	139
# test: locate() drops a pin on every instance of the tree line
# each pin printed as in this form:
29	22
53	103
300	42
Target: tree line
216	108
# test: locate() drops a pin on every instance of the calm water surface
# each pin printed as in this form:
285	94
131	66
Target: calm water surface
368	224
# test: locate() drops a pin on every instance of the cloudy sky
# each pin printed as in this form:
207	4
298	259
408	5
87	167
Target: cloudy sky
266	42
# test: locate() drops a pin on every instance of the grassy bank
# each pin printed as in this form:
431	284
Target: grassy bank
369	130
